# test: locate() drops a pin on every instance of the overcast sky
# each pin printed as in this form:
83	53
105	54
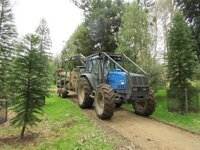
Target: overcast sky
61	15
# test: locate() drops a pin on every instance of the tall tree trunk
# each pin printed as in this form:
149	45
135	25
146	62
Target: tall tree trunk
22	132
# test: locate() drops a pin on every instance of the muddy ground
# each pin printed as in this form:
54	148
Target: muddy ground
145	133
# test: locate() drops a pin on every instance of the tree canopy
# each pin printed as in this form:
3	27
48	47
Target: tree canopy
191	11
102	19
181	56
79	42
133	37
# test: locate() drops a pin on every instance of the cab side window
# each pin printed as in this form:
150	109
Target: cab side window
95	65
90	66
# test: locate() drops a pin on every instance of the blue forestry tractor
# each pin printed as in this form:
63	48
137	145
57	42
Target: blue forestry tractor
106	84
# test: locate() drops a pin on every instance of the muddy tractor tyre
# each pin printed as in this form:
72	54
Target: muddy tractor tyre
104	101
84	91
147	107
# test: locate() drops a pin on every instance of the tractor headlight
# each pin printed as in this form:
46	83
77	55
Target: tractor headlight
135	89
145	89
122	82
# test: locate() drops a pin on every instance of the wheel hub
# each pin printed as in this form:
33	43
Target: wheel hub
141	104
100	102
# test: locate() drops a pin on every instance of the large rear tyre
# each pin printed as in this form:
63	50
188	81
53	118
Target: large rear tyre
84	91
104	101
146	108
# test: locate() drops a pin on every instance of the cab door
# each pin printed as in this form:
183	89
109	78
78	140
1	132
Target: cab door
96	72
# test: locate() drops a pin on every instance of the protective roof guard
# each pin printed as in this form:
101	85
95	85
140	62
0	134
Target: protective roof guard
76	56
134	64
109	56
125	57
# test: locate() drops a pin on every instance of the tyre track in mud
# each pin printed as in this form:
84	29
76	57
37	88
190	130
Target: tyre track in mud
144	132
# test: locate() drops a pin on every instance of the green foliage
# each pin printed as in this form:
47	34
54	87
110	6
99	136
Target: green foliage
191	11
181	55
79	42
27	82
103	19
52	70
7	41
133	37
156	73
134	41
197	72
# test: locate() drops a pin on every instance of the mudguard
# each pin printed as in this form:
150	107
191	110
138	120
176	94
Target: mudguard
90	79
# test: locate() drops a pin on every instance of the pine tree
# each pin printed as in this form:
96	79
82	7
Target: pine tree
43	33
103	19
191	11
8	36
79	42
181	56
27	83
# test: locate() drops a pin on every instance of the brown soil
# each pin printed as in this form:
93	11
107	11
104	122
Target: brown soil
146	133
15	140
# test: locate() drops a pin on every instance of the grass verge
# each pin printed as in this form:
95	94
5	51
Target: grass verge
190	121
63	127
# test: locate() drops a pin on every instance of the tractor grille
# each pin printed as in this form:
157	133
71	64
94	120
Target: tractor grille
120	86
140	81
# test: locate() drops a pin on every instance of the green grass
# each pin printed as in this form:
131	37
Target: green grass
53	86
190	121
64	126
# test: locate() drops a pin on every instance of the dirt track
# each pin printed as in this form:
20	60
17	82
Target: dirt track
147	133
